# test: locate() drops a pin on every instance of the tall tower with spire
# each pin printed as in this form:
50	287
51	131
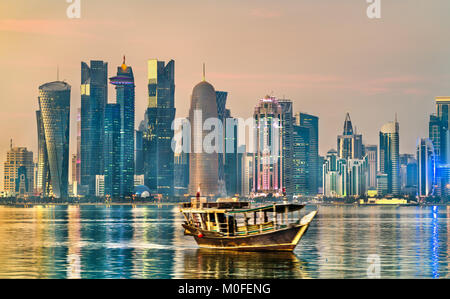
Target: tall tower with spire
349	144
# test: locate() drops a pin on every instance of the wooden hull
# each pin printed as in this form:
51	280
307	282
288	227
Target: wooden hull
285	239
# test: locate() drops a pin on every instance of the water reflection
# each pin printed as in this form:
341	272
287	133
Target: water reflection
96	241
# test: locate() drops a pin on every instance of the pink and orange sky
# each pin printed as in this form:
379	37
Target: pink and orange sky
324	55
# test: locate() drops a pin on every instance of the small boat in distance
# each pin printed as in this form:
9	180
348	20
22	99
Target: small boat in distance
233	225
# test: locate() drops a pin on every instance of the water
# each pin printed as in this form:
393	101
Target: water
148	242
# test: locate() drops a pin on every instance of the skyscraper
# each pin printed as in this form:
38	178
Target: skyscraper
18	172
268	159
158	133
349	144
43	169
232	156
287	122
94	95
408	174
311	122
221	100
54	104
389	156
426	167
372	165
203	173
125	98
300	160
334	175
112	151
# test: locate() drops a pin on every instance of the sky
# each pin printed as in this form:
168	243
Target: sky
326	56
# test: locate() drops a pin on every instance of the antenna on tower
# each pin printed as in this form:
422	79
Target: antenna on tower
204	72
10	143
57	72
395	116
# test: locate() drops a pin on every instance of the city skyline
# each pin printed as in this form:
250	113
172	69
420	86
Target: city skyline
371	94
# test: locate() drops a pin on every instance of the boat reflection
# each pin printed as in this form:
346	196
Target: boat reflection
215	264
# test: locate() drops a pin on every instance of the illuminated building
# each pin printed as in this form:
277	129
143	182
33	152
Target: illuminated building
425	167
268	159
389	156
112	151
94	94
125	98
54	120
300	160
287	122
158	156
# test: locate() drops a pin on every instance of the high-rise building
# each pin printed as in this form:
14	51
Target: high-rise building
221	100
247	174
426	167
356	180
18	172
300	160
439	134
349	144
371	151
78	165
54	119
232	156
43	170
94	95
334	175
139	151
408	174
181	173
203	172
287	122
312	122
389	156
268	159
112	152
125	97
158	133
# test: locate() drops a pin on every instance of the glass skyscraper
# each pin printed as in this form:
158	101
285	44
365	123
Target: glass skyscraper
349	144
300	160
312	122
425	167
287	122
158	134
125	98
389	156
111	150
54	119
94	95
43	170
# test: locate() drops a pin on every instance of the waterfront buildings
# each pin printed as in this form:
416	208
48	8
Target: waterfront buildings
203	175
18	172
287	122
300	160
268	159
125	98
94	95
349	144
311	122
158	156
408	174
425	167
112	151
371	151
334	175
389	156
247	174
53	134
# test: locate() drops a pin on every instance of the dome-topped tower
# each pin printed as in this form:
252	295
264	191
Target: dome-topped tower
203	173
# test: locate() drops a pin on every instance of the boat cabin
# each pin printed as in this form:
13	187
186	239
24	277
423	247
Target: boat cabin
236	218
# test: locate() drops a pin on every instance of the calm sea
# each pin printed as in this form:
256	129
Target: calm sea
148	242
